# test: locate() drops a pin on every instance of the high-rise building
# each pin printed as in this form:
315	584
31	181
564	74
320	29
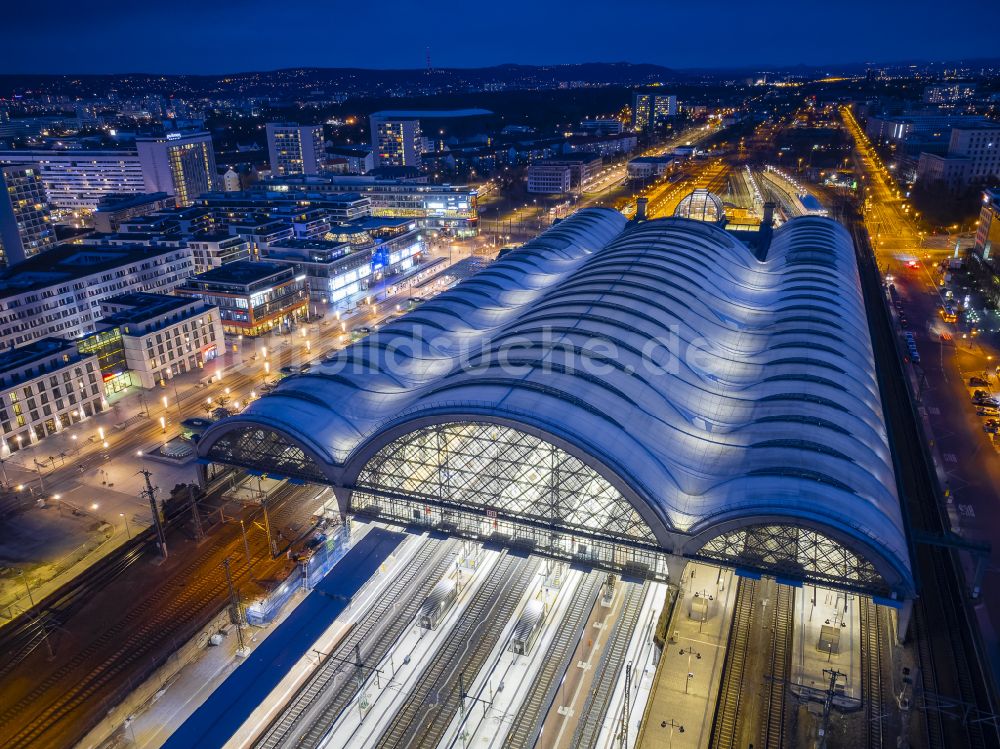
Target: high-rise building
294	149
396	141
179	163
25	218
651	110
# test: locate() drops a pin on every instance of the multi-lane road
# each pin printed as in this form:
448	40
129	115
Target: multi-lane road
938	441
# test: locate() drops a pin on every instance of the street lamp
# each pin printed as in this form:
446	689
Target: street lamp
673	724
27	587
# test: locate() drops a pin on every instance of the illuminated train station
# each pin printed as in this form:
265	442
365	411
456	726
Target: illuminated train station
628	395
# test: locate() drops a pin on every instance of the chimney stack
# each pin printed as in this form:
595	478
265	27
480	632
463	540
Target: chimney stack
768	220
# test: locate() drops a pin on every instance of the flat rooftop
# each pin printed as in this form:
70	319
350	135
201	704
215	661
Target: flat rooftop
142	306
122	202
240	272
43	348
70	262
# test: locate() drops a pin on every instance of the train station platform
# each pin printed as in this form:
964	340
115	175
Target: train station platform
686	683
228	707
826	639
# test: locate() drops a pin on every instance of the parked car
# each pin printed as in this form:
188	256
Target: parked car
988	411
978	382
991	426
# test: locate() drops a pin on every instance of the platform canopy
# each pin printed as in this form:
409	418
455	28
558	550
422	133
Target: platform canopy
650	383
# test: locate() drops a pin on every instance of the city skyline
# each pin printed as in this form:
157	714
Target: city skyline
395	376
231	39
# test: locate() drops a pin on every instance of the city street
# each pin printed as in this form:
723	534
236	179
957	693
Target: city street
966	462
88	476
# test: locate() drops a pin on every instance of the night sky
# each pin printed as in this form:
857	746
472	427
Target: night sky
215	36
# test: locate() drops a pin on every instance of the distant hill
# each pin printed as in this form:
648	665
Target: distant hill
299	82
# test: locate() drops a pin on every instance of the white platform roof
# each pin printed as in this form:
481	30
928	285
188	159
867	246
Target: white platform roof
722	390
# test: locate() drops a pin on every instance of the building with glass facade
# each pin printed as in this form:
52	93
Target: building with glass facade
629	395
253	298
158	335
25	217
179	163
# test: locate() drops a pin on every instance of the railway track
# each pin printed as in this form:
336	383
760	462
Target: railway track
588	729
951	654
871	666
725	724
773	722
435	699
129	649
523	733
316	706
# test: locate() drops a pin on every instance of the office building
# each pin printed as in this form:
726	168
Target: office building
79	179
973	156
60	293
275	200
549	179
980	144
45	386
648	167
215	249
583	167
25	217
605	145
884	128
340	270
294	149
453	208
601	126
260	231
159	336
179	163
253	298
114	210
652	110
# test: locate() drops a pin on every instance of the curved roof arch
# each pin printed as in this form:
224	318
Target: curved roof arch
711	384
701	205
